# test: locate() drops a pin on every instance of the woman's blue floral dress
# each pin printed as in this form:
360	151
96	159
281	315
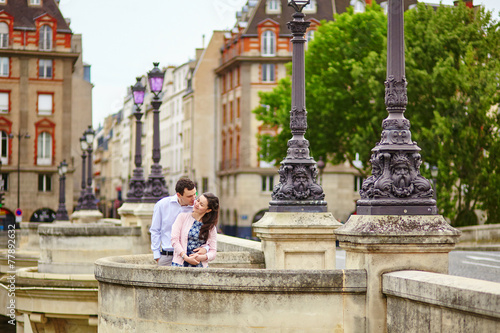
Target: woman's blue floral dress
193	243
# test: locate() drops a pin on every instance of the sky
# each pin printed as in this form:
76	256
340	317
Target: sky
122	38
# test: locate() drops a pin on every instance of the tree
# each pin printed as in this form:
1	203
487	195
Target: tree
452	66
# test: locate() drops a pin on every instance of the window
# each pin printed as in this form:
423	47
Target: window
310	8
268	73
310	35
238	108
44	152
35	2
45	69
268	43
359	6
45	104
4	102
224	116
45	38
4	66
204	183
358	183
44	183
273	6
4	148
4	35
4	181
267	183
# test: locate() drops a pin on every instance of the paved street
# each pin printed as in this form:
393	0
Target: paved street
471	264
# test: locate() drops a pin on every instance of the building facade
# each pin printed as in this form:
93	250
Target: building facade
46	104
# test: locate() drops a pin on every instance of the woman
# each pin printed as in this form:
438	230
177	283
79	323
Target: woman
193	230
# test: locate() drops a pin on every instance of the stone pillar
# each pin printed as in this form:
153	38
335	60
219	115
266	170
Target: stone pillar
86	216
298	240
144	216
386	243
127	213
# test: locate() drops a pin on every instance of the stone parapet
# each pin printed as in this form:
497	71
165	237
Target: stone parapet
137	296
480	237
440	303
298	240
70	248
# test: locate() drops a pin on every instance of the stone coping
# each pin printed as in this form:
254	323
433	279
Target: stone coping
29	276
87	229
384	229
137	270
480	227
234	244
455	292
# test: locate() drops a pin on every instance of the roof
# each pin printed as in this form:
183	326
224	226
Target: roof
324	12
25	15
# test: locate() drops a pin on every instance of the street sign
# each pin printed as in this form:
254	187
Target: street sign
19	212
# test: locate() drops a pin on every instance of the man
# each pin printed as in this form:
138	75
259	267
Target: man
164	215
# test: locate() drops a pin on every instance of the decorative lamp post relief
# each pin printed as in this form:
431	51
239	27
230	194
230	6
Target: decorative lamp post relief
396	186
298	190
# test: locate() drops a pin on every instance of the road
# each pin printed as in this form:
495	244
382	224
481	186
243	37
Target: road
471	264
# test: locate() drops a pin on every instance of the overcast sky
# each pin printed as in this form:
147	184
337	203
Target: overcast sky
122	38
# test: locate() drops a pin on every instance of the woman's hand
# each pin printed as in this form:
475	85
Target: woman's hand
200	250
199	257
191	259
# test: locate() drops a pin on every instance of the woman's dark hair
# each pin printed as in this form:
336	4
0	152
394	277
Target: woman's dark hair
209	219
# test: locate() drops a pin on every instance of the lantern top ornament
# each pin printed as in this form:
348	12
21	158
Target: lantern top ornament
298	5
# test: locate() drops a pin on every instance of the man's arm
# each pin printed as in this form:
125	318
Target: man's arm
155	231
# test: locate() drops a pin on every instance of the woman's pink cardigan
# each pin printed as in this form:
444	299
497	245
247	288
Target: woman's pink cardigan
180	231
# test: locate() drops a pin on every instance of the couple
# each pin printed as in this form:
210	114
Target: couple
183	230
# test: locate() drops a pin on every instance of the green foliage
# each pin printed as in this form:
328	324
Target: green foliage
453	72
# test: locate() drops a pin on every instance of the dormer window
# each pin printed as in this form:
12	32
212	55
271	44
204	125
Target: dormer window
310	8
45	38
268	43
273	7
4	35
359	6
35	2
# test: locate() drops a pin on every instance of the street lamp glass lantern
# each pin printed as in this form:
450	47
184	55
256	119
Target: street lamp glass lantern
138	92
89	135
155	78
434	171
64	167
83	144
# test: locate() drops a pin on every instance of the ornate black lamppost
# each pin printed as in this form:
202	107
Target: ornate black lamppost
62	213
89	200
156	187
396	186
83	146
298	190
137	184
19	137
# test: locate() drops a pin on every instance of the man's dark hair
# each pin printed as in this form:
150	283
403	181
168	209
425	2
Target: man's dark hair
182	184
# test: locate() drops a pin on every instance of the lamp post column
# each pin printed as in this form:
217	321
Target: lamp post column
156	187
90	201
84	185
137	183
298	190
62	214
